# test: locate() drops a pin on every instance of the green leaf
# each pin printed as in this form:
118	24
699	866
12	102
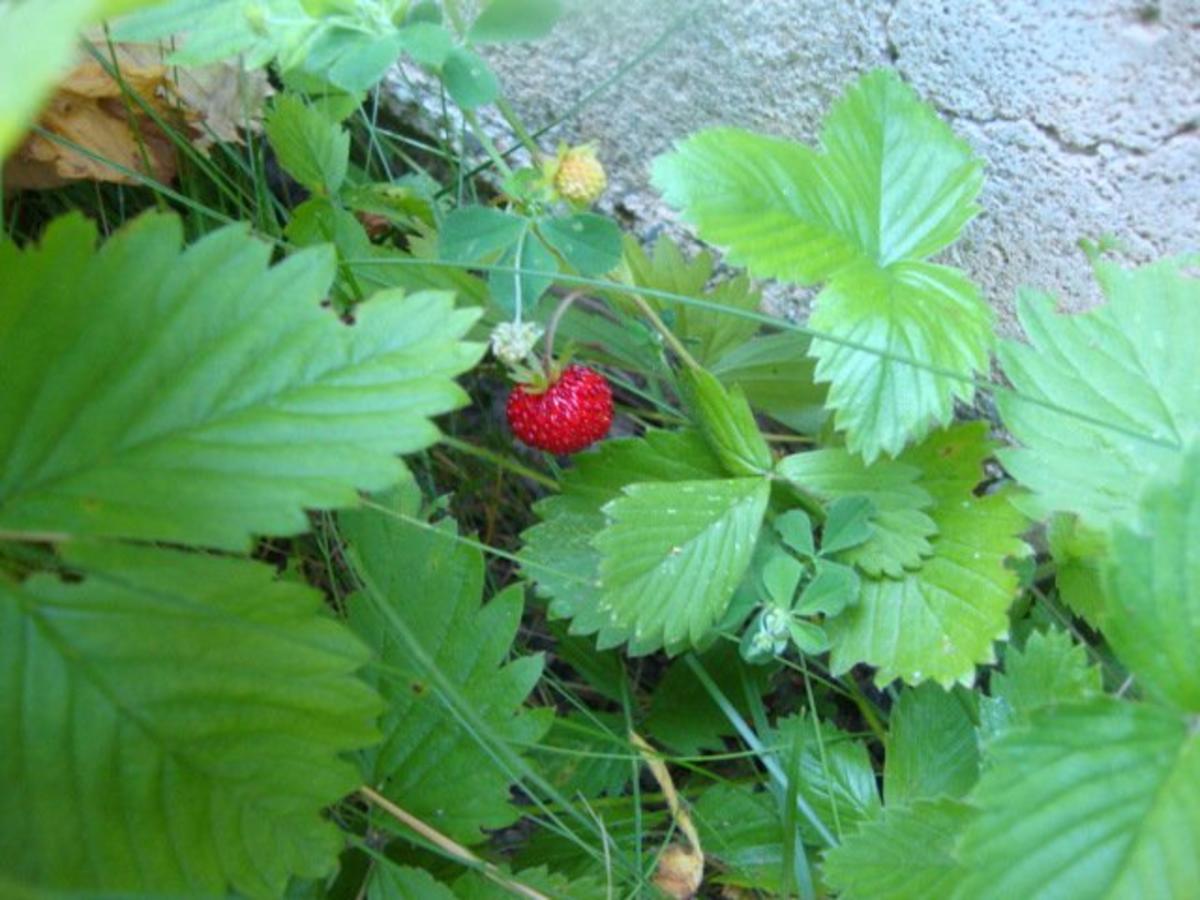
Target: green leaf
37	43
515	20
1128	365
741	827
428	761
1098	799
392	882
558	552
939	621
474	886
838	782
522	288
893	187
932	749
1078	553
672	555
351	58
847	524
478	233
204	396
776	375
709	333
906	855
586	754
795	529
1049	670
427	43
468	79
590	243
683	715
1152	616
175	722
832	589
726	421
781	577
902	525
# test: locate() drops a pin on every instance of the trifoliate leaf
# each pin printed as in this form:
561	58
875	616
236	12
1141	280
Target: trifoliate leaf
174	726
939	621
558	553
711	331
1096	798
672	555
1152	615
204	396
432	765
1050	669
533	267
893	187
902	526
478	233
590	243
932	749
469	80
310	148
1123	380
848	524
795	529
832	589
906	855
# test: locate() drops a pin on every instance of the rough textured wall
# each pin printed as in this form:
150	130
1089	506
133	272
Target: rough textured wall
1086	111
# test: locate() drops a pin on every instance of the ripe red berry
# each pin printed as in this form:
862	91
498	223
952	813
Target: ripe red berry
572	413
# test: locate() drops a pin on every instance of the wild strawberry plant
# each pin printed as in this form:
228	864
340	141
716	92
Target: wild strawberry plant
783	616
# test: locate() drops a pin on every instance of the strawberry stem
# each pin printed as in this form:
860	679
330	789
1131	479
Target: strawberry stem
552	325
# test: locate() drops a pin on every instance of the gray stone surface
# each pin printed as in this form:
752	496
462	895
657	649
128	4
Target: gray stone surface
1086	111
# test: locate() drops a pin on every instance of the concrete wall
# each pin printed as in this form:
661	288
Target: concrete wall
1087	112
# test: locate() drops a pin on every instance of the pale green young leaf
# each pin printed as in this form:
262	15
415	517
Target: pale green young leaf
940	620
908	854
1095	798
180	722
1152	615
205	396
672	554
558	553
429	762
1050	669
902	524
892	187
932	749
727	422
1129	367
503	21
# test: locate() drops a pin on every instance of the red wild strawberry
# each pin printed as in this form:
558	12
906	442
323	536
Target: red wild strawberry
573	412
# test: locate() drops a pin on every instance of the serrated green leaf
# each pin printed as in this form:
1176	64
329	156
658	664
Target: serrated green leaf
392	882
776	374
902	525
726	421
906	855
590	243
473	886
205	396
469	80
672	555
1152	615
558	553
939	621
1078	553
838	783
478	233
708	333
1095	799
932	749
741	827
428	761
515	20
175	724
893	187
1050	669
1129	364
586	754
